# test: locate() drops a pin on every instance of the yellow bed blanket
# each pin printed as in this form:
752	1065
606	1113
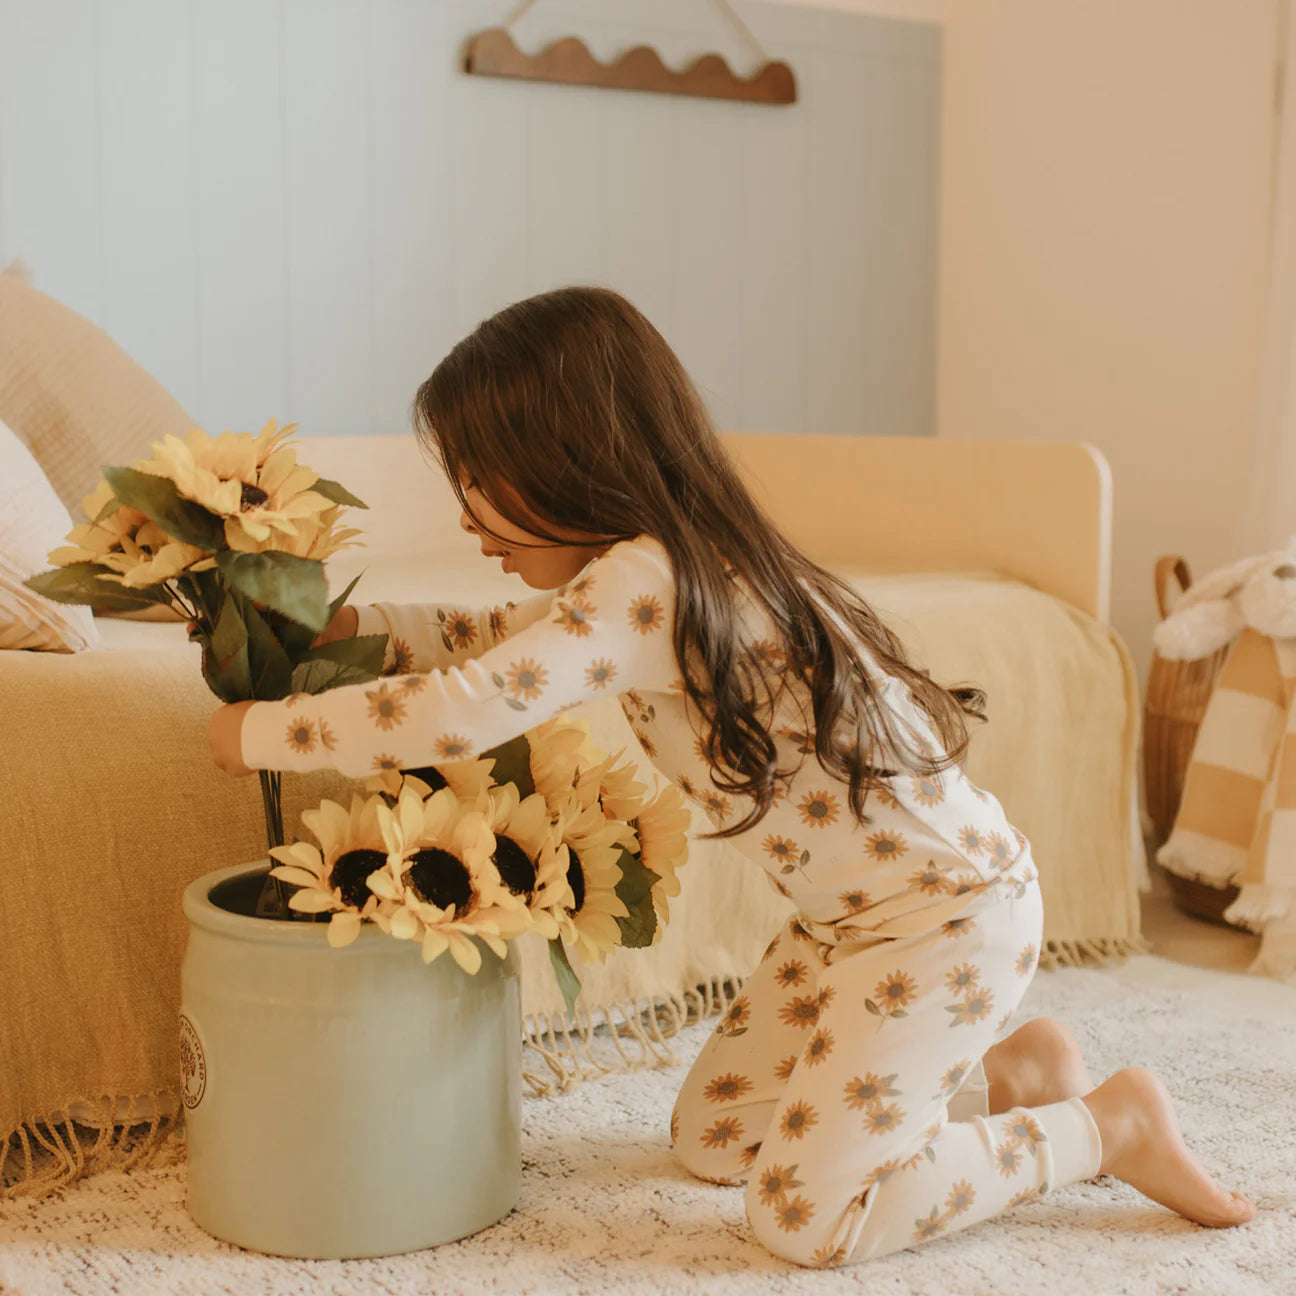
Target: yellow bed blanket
112	806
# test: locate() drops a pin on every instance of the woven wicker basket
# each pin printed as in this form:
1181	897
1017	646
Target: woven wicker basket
1177	693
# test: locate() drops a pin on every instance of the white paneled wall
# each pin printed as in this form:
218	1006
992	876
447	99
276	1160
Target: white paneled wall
293	208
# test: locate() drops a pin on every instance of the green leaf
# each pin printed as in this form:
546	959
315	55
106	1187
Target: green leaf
268	663
361	652
83	583
497	679
283	582
513	764
338	494
634	890
225	656
344	661
515	704
208	585
157	498
336	606
107	511
295	637
568	981
357	660
873	1008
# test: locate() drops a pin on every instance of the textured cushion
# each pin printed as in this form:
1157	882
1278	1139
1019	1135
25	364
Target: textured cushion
72	395
32	522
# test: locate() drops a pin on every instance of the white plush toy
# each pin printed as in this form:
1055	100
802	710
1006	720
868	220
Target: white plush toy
1256	592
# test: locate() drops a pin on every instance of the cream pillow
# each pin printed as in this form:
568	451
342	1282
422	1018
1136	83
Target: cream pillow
32	522
73	396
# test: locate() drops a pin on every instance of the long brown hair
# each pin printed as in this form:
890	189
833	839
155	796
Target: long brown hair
572	405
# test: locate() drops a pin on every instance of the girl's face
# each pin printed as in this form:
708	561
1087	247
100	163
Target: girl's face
543	567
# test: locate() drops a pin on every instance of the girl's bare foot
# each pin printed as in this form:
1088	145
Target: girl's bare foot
1143	1146
1038	1064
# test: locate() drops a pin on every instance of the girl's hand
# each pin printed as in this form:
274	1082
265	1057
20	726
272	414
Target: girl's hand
343	626
224	733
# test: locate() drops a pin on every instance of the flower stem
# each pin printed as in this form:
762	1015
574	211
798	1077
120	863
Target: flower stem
273	901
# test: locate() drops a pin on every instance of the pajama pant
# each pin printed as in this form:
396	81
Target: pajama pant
839	1090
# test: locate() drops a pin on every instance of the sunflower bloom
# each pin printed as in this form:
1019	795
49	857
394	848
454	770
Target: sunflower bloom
727	1088
646	614
663	826
333	877
883	846
818	809
589	924
440	876
254	484
526	679
530	857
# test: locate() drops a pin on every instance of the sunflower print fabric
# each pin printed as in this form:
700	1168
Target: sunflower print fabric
840	1089
843	1086
470	680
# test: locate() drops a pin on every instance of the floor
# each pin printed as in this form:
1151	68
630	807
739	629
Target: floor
1176	935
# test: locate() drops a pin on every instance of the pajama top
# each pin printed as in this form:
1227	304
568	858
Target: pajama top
468	680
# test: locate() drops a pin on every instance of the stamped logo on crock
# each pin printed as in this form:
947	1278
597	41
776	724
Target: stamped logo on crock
193	1064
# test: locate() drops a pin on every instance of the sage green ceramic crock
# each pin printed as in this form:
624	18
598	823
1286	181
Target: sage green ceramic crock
342	1102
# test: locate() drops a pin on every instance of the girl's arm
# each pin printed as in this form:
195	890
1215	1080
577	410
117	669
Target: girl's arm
610	629
427	636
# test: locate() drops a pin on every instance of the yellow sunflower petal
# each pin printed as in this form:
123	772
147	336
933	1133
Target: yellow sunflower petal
404	925
343	929
311	901
465	952
291	873
434	944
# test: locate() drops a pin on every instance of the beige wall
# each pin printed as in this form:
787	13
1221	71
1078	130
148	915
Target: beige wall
1104	224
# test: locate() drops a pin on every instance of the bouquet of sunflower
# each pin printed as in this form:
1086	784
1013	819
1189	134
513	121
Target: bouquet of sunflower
231	532
544	833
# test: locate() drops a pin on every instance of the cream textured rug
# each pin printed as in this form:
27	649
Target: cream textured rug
605	1207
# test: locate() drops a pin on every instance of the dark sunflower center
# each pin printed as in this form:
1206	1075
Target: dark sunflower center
441	879
251	497
576	880
431	776
516	870
349	872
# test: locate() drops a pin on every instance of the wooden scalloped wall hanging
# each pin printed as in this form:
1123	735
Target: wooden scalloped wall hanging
569	62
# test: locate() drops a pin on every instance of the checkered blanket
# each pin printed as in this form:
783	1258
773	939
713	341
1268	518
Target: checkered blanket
1237	820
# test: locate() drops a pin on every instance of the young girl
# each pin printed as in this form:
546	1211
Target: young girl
854	1085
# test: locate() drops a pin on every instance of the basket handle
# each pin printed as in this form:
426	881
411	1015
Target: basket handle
1165	566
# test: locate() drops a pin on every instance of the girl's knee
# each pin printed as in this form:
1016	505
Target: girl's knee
785	1221
714	1146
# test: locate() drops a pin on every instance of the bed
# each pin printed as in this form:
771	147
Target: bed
990	560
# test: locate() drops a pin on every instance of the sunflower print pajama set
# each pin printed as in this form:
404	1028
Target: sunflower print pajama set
844	1085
